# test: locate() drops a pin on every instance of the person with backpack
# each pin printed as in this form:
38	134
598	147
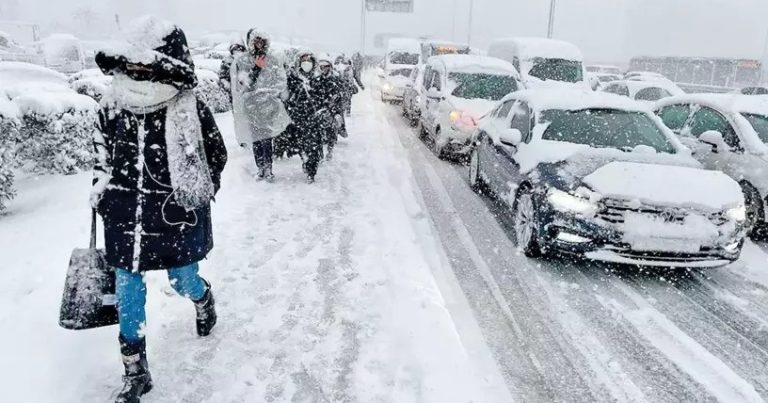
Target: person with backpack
160	157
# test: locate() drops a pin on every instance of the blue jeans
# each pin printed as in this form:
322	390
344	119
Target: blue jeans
132	296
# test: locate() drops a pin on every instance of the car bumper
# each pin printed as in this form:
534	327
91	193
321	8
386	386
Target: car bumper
390	92
604	242
455	141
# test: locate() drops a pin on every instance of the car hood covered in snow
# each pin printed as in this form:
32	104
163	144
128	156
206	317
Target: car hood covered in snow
663	185
477	108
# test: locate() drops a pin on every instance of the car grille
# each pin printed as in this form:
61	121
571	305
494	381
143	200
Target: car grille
706	254
614	211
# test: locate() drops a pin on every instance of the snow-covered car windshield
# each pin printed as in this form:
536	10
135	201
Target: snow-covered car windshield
558	70
652	94
401	72
605	128
404	58
492	87
760	124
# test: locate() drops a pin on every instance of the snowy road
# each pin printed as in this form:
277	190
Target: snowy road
581	332
388	280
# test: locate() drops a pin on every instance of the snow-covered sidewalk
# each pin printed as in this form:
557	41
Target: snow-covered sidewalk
326	292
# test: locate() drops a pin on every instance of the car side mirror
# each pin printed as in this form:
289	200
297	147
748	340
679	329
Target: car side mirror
433	93
714	139
510	137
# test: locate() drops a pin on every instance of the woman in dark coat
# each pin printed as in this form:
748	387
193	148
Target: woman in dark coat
160	159
306	109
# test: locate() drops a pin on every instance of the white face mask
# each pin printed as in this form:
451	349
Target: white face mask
307	66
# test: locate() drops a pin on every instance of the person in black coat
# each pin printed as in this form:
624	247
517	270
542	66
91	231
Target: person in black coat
159	162
330	88
307	112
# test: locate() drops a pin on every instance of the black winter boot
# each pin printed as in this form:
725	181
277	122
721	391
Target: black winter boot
137	380
206	312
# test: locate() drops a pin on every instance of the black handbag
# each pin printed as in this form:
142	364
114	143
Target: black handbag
89	299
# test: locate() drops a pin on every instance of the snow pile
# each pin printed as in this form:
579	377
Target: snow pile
92	87
205	63
9	135
57	131
210	92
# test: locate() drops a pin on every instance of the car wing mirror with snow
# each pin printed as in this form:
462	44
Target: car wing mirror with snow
510	137
714	139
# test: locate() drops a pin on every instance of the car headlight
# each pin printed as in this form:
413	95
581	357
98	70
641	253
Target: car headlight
563	201
738	214
459	118
387	87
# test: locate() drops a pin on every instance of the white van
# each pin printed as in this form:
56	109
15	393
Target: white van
403	55
542	61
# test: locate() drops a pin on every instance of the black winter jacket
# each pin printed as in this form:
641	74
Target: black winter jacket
138	201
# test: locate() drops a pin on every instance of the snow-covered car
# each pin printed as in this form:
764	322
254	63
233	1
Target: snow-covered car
653	77
393	81
63	53
543	62
604	69
647	92
457	91
597	81
412	95
599	176
728	133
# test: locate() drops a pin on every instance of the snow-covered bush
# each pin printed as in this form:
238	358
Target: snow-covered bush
9	136
210	92
56	133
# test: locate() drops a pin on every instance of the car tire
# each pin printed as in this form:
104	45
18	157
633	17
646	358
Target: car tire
526	224
436	147
476	181
423	134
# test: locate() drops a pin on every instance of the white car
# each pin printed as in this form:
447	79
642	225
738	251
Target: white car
457	91
727	133
647	92
393	81
599	176
598	81
543	62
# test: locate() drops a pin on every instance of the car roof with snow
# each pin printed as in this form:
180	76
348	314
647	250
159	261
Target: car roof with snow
12	73
636	86
755	104
474	64
574	99
530	48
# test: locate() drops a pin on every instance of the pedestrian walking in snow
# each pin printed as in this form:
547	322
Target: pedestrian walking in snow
225	71
349	88
357	69
160	159
259	86
330	88
307	112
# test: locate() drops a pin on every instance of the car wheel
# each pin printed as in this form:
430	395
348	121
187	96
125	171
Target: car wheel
423	134
475	177
526	225
436	147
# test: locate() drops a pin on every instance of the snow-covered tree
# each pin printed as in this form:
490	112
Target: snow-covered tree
9	135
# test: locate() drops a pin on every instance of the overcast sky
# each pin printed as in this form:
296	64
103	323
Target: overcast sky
606	30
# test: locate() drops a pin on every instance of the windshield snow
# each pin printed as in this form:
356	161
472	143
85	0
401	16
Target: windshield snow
557	70
404	58
605	128
482	86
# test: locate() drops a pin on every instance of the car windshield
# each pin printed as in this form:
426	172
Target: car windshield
605	128
652	94
558	70
400	72
492	87
760	124
404	58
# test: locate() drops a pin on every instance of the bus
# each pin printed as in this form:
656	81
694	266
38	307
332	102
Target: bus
703	74
431	48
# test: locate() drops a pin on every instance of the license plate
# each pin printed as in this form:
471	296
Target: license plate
666	245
